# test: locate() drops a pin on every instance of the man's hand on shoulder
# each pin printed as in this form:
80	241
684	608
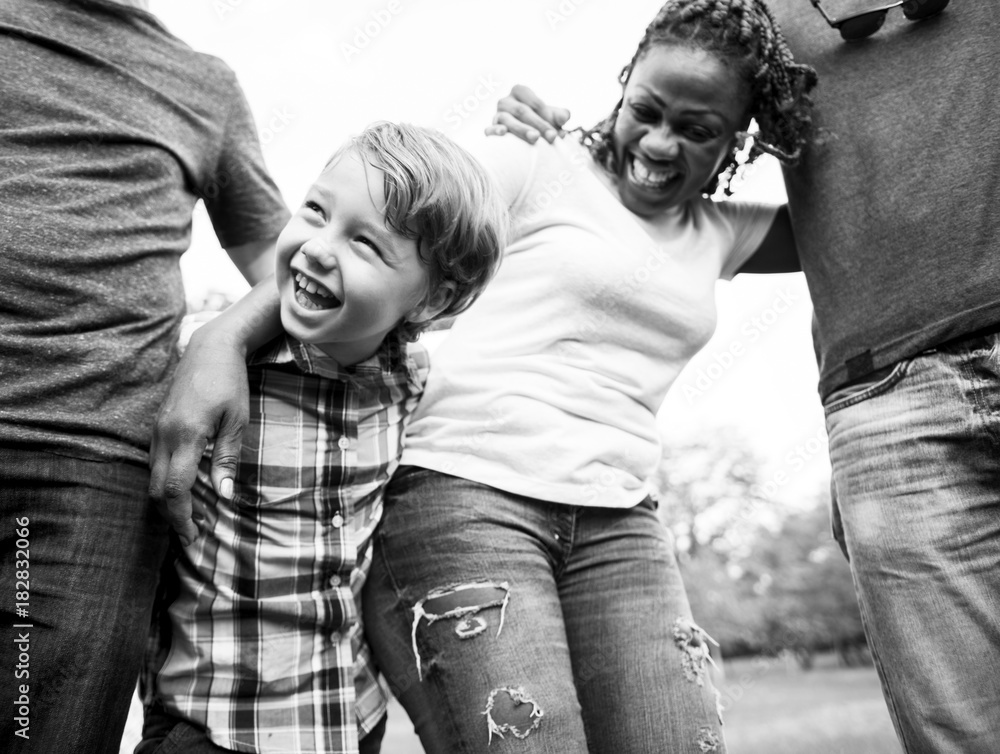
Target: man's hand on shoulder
523	114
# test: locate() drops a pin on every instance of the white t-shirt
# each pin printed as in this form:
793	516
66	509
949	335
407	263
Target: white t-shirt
548	386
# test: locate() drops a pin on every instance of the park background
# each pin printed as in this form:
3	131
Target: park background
745	476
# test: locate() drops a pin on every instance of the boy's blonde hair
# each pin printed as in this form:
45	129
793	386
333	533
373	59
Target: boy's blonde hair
438	195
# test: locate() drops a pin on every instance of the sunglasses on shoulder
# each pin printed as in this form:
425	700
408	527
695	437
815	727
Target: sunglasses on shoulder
864	24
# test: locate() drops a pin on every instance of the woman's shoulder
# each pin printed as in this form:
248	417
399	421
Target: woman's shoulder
504	154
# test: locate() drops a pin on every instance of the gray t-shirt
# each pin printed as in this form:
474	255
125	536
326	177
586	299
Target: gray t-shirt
895	215
111	129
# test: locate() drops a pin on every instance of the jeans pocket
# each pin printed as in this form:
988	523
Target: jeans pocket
877	383
406	476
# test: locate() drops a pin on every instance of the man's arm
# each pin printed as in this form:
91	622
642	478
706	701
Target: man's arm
208	400
777	252
523	114
254	260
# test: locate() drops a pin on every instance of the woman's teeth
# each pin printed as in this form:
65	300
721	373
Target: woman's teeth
312	295
651	179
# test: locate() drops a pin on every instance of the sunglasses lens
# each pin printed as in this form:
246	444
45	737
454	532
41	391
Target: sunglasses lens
918	9
862	26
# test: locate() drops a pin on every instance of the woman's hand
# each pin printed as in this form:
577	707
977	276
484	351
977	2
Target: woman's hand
524	115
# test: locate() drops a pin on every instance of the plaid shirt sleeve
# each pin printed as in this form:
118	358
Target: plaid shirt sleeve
266	648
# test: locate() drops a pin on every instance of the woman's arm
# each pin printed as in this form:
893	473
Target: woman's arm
777	252
208	400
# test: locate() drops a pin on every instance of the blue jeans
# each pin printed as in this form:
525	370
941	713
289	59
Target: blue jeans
916	480
540	627
92	551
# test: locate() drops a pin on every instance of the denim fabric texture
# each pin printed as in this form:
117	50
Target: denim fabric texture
95	546
916	480
595	652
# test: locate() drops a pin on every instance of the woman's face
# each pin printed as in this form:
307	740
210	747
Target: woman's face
680	114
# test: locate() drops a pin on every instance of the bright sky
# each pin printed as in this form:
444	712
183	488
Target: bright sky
316	71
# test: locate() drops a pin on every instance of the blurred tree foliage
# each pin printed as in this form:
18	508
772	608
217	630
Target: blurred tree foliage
762	576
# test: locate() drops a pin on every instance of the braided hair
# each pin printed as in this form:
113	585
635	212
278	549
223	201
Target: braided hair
745	36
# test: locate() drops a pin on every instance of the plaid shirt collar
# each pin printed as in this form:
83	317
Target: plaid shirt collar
311	359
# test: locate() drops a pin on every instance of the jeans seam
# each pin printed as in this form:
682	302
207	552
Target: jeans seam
431	678
889	697
881	387
441	697
980	405
379	552
565	550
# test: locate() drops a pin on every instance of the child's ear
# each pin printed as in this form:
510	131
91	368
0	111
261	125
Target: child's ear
434	304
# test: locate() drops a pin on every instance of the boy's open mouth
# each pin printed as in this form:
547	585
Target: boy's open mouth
311	295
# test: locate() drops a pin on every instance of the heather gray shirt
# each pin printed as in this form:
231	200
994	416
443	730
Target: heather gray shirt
111	129
896	215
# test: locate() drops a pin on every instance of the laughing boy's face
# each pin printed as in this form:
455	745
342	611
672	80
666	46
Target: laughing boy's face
345	278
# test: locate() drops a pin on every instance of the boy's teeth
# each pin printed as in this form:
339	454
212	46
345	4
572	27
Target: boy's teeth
312	295
312	286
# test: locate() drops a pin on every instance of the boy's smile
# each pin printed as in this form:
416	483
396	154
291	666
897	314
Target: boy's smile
312	295
345	278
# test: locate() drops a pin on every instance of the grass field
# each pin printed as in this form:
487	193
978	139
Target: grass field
772	707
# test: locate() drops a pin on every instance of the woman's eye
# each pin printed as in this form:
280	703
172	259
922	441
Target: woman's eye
643	113
696	133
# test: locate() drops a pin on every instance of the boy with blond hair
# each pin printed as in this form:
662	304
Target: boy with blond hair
264	648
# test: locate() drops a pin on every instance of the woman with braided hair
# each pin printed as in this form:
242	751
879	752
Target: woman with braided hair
742	35
522	585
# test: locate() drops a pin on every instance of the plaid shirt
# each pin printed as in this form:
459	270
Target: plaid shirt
266	647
